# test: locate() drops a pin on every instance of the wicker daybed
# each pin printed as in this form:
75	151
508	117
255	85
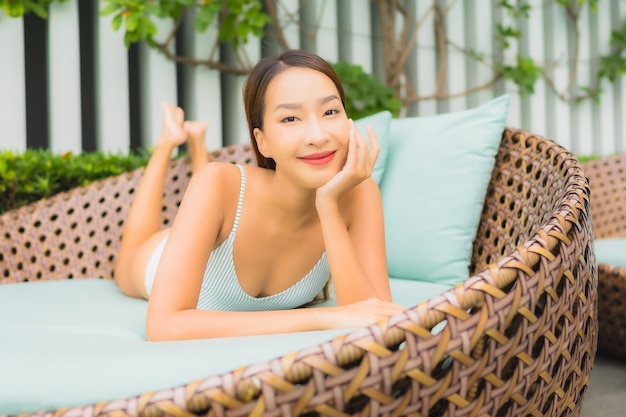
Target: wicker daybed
607	177
520	334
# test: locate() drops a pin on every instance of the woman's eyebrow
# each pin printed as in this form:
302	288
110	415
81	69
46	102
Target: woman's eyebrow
293	106
329	98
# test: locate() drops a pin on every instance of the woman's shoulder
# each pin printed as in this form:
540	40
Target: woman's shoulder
226	175
217	172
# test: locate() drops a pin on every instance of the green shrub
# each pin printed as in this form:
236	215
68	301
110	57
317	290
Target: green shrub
35	174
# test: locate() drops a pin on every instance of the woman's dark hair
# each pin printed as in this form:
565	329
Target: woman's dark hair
261	76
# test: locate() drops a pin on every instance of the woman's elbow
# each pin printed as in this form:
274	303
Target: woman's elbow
157	330
156	333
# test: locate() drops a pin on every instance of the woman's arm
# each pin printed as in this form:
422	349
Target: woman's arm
356	255
172	313
165	324
356	252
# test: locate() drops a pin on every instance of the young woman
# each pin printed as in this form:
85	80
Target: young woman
251	244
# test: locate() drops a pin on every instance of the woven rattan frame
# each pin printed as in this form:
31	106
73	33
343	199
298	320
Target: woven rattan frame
519	338
607	177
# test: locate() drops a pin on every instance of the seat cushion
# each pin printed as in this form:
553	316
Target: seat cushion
76	342
611	251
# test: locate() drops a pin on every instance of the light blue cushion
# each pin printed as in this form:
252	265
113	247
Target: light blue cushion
611	251
380	123
433	188
75	342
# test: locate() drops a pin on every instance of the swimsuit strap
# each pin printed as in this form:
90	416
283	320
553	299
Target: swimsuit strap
240	202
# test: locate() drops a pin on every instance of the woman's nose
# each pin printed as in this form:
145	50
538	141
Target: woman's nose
316	134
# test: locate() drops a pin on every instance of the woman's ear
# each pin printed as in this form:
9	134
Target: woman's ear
259	137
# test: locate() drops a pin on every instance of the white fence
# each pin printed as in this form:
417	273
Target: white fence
111	100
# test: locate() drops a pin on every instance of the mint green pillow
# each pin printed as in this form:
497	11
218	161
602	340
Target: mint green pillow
381	123
433	189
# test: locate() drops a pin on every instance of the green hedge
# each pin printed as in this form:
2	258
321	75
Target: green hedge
35	174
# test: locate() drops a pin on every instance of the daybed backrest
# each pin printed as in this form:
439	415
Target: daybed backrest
77	233
528	183
607	179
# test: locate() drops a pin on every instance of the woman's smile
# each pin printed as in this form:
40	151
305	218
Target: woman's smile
320	158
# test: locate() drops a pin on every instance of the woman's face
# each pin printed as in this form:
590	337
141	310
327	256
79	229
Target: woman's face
305	127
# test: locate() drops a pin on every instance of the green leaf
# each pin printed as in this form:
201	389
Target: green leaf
14	10
132	21
109	10
227	28
242	31
204	17
117	21
152	9
38	9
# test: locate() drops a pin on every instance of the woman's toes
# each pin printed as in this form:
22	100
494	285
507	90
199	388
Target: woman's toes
196	129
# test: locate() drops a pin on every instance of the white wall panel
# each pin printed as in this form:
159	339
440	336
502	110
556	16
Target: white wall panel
158	85
205	91
483	45
288	13
536	39
64	78
112	106
327	39
560	74
12	85
426	60
620	90
510	56
583	126
235	114
606	142
360	36
457	69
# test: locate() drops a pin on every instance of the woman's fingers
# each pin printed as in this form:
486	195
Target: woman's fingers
366	151
374	146
195	128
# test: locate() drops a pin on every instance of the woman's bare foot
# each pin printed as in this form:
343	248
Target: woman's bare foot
196	132
172	133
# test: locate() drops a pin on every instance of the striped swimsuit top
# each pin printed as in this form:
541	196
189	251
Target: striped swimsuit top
220	289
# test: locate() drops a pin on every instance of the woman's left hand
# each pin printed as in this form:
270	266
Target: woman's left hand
358	167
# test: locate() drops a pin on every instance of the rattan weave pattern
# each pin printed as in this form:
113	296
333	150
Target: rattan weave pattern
607	178
519	337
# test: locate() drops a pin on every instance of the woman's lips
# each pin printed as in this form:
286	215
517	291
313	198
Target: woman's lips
321	158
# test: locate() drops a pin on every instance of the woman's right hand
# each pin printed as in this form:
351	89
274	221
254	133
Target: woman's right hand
360	161
363	313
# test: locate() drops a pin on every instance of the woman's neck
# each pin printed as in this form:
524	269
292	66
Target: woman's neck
288	203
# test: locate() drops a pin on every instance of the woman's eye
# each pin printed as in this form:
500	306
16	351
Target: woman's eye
289	119
331	112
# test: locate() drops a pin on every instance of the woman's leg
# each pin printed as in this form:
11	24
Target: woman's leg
144	216
196	132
